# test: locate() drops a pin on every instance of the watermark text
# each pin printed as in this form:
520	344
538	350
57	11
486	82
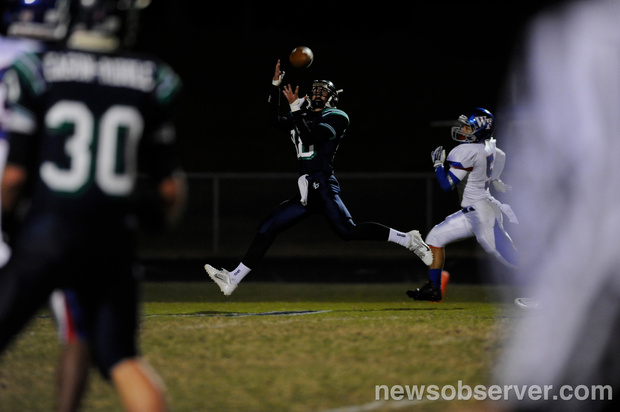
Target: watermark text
464	392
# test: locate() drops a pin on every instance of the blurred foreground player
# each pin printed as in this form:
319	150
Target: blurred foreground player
84	120
74	363
29	28
316	128
472	166
565	146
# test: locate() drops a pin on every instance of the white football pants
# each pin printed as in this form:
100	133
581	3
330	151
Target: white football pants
484	220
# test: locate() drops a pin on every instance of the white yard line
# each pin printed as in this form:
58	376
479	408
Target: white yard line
376	405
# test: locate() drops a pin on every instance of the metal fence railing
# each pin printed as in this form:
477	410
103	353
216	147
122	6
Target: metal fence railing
224	210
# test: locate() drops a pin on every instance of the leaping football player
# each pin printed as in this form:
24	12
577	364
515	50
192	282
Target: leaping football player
316	128
472	166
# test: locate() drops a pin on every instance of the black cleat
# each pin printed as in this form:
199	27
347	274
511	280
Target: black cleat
428	292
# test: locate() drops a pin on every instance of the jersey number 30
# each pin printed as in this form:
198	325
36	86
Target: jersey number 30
114	175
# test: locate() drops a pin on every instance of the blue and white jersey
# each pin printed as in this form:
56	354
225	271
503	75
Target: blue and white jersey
473	164
10	50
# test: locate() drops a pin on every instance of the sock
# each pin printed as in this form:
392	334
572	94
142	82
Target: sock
239	273
398	237
435	276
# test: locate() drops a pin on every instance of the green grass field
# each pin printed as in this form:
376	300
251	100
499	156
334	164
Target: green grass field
286	347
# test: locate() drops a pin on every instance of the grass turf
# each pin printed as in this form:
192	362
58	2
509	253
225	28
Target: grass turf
285	347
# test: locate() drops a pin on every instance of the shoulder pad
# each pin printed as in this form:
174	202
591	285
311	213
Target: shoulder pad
28	67
334	112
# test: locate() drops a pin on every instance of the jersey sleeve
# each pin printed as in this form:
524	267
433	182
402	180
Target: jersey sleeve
498	163
276	117
333	123
159	157
166	96
461	158
23	83
460	161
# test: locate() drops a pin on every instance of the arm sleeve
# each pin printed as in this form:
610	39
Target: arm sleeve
159	156
273	101
447	180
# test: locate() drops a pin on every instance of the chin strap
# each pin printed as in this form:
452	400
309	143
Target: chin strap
326	104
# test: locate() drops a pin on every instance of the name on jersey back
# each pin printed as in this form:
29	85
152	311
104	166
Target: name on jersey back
110	71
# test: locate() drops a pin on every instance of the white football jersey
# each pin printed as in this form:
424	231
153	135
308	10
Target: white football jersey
472	164
10	49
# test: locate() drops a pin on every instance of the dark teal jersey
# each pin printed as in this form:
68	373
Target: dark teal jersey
316	136
85	124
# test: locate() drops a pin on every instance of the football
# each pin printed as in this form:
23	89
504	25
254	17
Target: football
301	57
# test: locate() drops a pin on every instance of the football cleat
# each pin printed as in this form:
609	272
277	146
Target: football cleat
222	278
421	249
526	303
428	292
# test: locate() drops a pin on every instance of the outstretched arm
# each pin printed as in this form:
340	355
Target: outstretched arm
447	180
274	99
278	75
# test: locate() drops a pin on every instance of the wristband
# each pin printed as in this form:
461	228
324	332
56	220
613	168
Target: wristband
296	105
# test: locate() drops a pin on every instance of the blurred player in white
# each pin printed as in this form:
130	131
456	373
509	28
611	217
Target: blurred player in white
472	166
565	99
10	49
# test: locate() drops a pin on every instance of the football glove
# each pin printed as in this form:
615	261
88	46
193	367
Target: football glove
279	81
501	186
297	104
438	156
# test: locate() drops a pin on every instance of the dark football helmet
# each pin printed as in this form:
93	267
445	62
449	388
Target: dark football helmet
46	20
323	88
104	25
476	126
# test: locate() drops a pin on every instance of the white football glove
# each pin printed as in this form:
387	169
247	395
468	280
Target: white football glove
297	104
438	156
279	81
501	186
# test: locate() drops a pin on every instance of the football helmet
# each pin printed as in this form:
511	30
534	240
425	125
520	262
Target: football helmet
475	126
45	20
323	88
104	25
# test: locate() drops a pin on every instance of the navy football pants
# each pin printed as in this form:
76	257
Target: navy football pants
323	198
95	262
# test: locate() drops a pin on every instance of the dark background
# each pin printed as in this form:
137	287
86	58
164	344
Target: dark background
403	67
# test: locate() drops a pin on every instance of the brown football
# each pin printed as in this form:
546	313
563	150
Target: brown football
301	57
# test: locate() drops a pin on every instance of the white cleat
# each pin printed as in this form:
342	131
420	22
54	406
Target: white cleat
421	249
526	303
222	278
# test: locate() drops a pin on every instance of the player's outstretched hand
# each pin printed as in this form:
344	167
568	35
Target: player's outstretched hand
501	186
290	94
278	75
438	156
